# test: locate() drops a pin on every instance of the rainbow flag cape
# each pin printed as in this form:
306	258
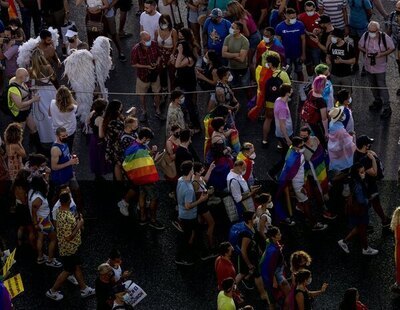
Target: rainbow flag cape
289	171
249	165
319	161
341	147
268	264
12	10
139	165
45	223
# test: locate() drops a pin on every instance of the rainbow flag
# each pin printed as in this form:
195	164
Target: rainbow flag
139	165
12	10
235	143
45	224
249	165
269	263
289	171
319	161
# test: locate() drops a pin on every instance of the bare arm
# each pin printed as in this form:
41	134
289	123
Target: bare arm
22	104
324	117
228	55
300	301
19	149
55	155
282	126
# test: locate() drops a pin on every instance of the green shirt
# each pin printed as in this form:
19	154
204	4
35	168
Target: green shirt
225	302
235	45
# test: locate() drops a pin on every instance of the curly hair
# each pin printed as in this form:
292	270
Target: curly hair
13	133
64	99
40	67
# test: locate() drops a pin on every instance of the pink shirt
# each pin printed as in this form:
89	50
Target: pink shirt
375	45
251	25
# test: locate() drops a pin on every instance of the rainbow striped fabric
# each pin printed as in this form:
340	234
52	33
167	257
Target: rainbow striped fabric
319	161
139	165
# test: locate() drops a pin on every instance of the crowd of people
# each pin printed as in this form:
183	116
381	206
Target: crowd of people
309	50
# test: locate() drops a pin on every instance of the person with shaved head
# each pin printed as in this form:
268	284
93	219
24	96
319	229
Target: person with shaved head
145	57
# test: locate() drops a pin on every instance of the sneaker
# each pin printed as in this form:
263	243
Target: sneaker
329	215
299	208
123	35
143	222
157	225
319	227
42	260
177	225
183	262
386	113
122	58
57	296
72	279
88	291
395	288
369	251
344	246
264	144
288	221
54	263
247	284
123	207
208	255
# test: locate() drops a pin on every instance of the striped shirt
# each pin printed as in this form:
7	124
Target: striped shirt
334	9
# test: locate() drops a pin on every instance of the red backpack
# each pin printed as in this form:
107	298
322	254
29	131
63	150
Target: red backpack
310	113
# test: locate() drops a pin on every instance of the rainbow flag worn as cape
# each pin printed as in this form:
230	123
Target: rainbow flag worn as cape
319	162
12	10
289	171
139	165
268	264
341	147
249	165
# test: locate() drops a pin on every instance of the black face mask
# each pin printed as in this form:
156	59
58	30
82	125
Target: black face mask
71	40
63	140
306	139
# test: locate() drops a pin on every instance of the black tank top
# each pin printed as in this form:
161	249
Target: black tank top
307	301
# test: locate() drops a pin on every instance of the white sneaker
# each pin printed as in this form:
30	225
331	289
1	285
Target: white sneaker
72	279
57	296
344	246
370	251
123	207
88	291
54	263
319	227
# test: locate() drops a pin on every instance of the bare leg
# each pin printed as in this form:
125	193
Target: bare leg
79	277
122	21
157	103
60	280
153	209
39	245
260	287
210	228
52	245
142	205
142	101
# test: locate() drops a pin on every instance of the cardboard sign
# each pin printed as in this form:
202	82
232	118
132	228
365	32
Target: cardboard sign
9	262
136	294
14	285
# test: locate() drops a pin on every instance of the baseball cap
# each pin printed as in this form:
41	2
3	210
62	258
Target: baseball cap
324	19
339	33
216	13
363	140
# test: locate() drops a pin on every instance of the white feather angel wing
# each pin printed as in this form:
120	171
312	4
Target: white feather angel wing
101	54
25	52
54	36
79	69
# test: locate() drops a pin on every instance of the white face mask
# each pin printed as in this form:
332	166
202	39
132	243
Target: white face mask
362	176
231	31
310	13
26	79
309	281
243	172
266	40
372	34
301	150
350	100
147	43
181	100
270	205
205	60
230	78
252	156
267	65
334	40
125	298
292	21
164	26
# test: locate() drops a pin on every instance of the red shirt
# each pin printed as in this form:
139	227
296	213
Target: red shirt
224	269
144	56
310	24
361	306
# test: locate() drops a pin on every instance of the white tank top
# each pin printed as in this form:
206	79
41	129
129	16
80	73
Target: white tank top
44	210
167	43
94	3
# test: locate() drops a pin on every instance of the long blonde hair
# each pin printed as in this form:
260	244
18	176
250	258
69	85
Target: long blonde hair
40	67
64	99
237	10
395	219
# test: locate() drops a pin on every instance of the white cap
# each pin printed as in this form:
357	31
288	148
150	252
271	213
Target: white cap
71	33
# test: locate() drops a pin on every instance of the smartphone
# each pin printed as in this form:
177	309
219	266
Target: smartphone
130	110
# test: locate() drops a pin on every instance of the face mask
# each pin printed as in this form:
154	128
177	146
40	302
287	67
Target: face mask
125	298
362	176
63	140
267	65
266	40
13	28
231	31
147	43
182	100
372	34
243	172
177	134
270	205
164	26
350	100
292	21
346	38
71	40
253	156
309	281
306	139
26	79
310	13
230	78
301	151
334	40
205	60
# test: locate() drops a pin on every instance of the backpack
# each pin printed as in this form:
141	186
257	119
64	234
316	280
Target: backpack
310	113
235	235
382	36
272	87
379	169
4	99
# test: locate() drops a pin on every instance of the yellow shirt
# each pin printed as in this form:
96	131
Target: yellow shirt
225	302
11	105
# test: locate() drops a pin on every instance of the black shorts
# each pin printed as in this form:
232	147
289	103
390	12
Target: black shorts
202	208
254	260
124	5
22	116
70	262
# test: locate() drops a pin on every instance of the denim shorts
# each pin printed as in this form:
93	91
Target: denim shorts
296	63
241	77
254	39
279	274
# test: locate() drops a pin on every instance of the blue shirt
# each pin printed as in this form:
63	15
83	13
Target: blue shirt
185	194
216	34
62	176
358	15
291	38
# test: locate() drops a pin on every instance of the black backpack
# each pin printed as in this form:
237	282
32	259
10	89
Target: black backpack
272	87
4	98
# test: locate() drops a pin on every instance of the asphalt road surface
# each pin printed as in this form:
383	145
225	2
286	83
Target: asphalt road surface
150	254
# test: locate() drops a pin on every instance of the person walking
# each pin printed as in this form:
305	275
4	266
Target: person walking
395	226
